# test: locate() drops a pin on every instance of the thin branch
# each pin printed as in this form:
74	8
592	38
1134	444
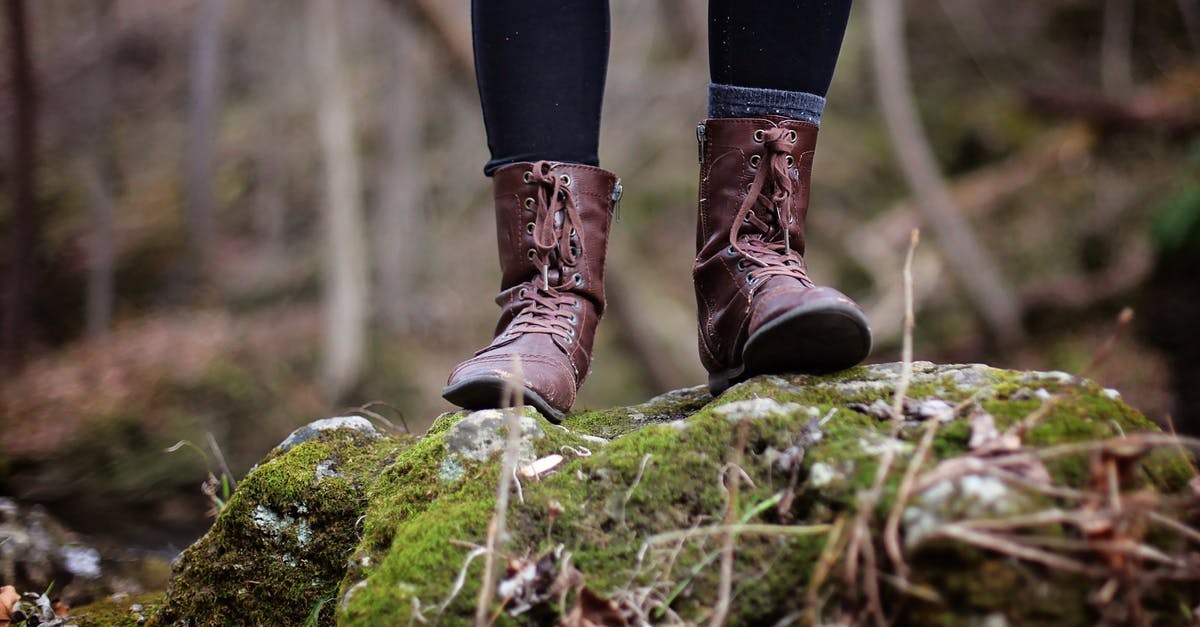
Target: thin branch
821	570
999	544
758	529
721	611
891	533
514	401
906	353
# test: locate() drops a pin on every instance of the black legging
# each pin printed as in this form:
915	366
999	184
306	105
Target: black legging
540	65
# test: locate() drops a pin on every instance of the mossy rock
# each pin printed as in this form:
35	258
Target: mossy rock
392	537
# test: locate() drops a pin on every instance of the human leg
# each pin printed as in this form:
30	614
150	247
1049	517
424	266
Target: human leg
540	67
758	309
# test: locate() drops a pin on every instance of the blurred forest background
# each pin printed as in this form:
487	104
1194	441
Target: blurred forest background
222	219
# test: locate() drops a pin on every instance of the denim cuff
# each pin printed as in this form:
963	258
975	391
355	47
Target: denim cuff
732	101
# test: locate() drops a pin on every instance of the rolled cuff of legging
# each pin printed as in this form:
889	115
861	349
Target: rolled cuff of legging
733	101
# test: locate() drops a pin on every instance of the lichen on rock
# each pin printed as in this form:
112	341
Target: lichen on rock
630	521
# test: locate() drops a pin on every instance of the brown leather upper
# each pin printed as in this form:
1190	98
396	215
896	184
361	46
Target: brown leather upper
753	200
552	226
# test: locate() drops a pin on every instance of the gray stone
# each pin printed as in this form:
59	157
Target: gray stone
316	427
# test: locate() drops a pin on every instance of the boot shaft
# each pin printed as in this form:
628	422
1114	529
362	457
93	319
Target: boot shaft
552	221
732	152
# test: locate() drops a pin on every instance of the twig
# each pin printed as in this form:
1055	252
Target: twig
637	480
212	444
870	584
821	571
1182	452
461	578
514	400
1176	526
721	611
1036	486
891	533
1021	428
909	325
860	536
366	408
761	529
1106	349
999	544
1126	546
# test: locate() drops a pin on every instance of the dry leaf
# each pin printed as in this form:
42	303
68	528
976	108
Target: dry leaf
8	598
539	467
591	610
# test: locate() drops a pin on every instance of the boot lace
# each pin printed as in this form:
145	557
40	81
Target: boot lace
556	246
769	245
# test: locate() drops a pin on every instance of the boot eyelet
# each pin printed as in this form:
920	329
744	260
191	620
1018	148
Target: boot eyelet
528	177
572	232
751	280
741	265
749	214
759	135
730	250
571	332
531	254
522	293
792	136
791	161
578	279
575	303
754	160
529	202
566	179
529	228
570	340
573	319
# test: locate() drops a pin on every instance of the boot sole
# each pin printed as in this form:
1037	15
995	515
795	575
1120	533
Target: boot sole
820	338
486	392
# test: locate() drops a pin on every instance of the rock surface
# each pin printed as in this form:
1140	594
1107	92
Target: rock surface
624	517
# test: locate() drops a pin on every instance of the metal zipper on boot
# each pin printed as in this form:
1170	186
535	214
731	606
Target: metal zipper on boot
700	142
616	198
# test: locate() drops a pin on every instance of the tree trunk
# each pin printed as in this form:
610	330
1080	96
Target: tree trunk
204	99
345	267
21	246
99	173
1116	48
398	218
976	271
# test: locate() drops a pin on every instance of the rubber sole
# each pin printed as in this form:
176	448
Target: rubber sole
820	338
487	392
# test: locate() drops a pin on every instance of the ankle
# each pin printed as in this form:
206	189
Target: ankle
733	101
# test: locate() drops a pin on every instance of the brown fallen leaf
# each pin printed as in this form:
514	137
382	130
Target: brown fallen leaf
8	598
592	610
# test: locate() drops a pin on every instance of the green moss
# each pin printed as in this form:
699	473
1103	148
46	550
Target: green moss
281	543
118	612
660	472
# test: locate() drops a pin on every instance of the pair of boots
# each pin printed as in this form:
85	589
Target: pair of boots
758	311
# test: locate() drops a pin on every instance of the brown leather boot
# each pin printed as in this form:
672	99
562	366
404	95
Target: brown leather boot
552	222
758	310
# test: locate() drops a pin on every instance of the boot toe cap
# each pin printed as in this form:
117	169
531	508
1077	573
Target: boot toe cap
771	304
480	382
